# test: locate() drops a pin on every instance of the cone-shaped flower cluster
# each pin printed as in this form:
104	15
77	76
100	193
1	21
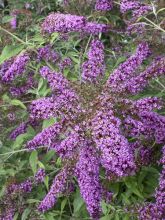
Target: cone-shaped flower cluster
117	157
22	128
127	5
137	7
139	82
64	102
57	22
17	68
18	91
13	21
46	137
94	67
104	5
58	187
47	53
95	28
63	23
122	75
87	172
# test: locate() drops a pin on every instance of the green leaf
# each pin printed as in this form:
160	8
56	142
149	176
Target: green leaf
58	162
2	191
126	217
40	83
33	160
63	204
125	199
120	60
50	154
43	89
107	217
30	201
6	19
117	216
104	208
16	216
48	122
76	60
132	186
38	38
17	102
10	51
54	36
6	98
41	165
46	181
78	202
25	214
30	131
19	141
48	217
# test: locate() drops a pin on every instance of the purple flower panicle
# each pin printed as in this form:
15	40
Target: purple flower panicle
116	155
127	5
138	9
46	137
104	5
65	63
13	21
21	129
47	53
126	70
17	68
139	82
94	67
87	172
65	100
39	176
22	90
57	81
57	22
64	23
58	186
95	28
42	108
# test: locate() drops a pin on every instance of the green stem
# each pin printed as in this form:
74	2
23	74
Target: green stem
13	105
14	152
155	25
117	3
17	151
14	36
87	45
157	80
50	66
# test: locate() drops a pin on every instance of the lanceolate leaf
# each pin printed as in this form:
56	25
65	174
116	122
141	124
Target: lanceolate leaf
33	161
10	51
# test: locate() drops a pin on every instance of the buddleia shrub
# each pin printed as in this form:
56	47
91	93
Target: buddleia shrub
94	131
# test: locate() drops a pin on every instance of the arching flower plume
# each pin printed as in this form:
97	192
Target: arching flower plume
17	68
104	5
63	23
